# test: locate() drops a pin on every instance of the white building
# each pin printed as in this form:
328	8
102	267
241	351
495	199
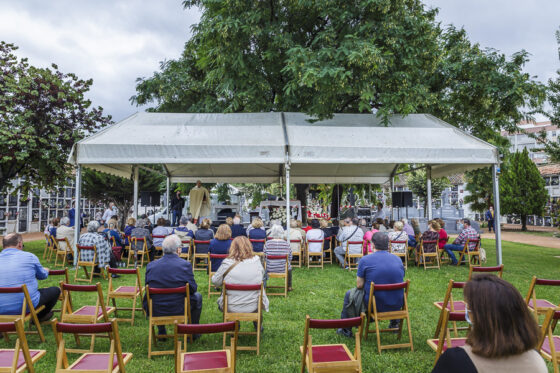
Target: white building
522	139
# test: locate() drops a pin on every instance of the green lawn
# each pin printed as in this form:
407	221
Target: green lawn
319	293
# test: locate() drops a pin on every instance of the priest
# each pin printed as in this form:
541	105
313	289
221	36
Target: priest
199	202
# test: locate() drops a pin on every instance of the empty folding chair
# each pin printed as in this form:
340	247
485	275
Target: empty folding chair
402	314
331	357
539	306
497	269
112	362
28	311
443	340
205	361
132	293
549	344
85	264
451	305
20	358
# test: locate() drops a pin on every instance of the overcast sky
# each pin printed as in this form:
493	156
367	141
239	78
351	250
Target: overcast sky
116	41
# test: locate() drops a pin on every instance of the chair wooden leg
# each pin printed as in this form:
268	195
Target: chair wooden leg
35	320
378	335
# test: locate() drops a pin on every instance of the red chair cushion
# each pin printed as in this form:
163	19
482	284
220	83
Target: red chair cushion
542	303
6	357
546	344
458	305
205	360
90	311
325	354
454	343
126	289
95	362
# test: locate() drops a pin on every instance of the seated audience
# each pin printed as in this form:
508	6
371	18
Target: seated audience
503	334
368	237
468	233
257	233
246	269
407	228
237	228
191	226
351	232
203	234
295	235
130	223
183	231
443	237
229	221
142	232
18	267
112	232
381	267
105	256
315	233
328	233
398	235
432	234
172	272
335	227
161	229
276	245
381	223
54	226
417	233
65	231
50	227
220	245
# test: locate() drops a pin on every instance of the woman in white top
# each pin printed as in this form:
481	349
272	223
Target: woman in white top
315	233
248	270
295	235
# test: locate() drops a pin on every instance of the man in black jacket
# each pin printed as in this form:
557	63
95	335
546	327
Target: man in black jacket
177	204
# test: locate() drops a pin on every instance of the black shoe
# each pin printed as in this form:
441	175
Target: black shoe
345	332
114	275
196	336
46	317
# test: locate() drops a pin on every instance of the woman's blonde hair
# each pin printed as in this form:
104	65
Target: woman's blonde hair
223	233
293	224
241	249
205	224
398	226
229	220
323	223
299	223
435	225
131	221
257	223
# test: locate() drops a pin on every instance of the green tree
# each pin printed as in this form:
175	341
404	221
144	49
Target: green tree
417	182
43	112
522	188
480	187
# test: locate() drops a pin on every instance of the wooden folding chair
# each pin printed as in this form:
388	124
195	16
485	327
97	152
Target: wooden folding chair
473	255
125	292
112	362
87	264
211	273
432	256
539	306
186	244
48	247
158	250
20	358
549	344
352	260
134	253
443	340
442	252
202	264
260	245
297	253
59	252
28	311
60	272
116	249
497	269
328	252
450	305
399	254
401	315
332	357
244	316
205	361
311	262
154	321
283	275
84	314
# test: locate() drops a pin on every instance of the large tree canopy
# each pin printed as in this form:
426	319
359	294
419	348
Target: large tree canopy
42	113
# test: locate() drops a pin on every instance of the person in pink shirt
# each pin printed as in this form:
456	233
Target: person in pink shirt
368	236
443	237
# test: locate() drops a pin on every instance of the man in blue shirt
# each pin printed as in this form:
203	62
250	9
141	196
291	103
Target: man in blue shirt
18	267
381	267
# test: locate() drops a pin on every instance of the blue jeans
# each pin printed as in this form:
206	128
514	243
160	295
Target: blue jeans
449	248
176	216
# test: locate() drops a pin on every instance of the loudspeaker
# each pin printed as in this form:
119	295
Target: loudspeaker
144	199
154	199
402	199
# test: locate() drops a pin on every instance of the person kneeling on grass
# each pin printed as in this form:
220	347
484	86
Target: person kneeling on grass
171	271
381	267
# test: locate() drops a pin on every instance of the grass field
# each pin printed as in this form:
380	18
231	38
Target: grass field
319	293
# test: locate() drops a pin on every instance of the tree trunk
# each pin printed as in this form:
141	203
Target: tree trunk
302	191
335	201
523	223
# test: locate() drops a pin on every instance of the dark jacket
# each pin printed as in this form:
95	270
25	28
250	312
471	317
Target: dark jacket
203	235
238	230
257	234
177	204
169	272
218	247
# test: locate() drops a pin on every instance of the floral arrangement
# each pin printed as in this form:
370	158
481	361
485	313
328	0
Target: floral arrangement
279	214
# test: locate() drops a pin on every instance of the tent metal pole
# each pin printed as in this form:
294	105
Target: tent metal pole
288	210
392	190
167	196
77	211
429	191
497	227
135	196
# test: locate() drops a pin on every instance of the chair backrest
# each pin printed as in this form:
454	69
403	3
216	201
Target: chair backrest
21	343
183	290
81	248
355	243
335	323
60	272
498	269
124	271
241	287
372	306
472	244
201	244
206	328
26	301
539	281
67	304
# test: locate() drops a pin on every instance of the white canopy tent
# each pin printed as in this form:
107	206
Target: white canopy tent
270	147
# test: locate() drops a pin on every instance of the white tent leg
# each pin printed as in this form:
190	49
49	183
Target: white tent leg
167	197
429	191
77	211
497	227
288	210
135	197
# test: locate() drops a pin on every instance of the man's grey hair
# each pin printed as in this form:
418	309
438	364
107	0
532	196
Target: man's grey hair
171	244
277	231
140	223
93	226
65	220
184	220
236	220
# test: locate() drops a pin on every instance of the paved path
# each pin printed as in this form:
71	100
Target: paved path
526	238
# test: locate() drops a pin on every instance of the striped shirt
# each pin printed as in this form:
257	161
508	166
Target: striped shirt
277	247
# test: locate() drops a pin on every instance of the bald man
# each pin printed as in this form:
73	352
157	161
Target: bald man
18	267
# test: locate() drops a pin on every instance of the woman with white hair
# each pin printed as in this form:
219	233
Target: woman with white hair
398	235
65	231
142	232
276	245
237	228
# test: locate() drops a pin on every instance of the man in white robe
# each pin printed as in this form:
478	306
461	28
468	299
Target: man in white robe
199	199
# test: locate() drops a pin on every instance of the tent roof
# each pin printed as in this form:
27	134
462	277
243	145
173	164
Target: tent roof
253	147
